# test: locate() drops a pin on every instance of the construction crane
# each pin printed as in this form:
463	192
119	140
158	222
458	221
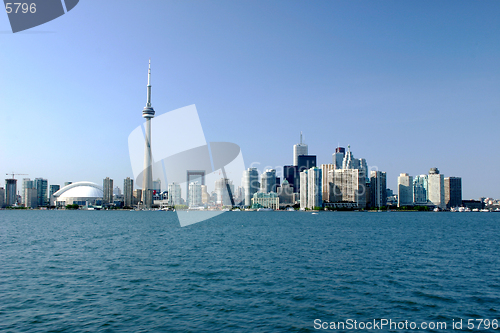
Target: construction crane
19	174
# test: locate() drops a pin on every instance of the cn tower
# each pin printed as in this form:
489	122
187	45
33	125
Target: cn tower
147	180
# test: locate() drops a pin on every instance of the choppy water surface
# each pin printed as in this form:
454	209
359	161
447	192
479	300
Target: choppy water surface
87	271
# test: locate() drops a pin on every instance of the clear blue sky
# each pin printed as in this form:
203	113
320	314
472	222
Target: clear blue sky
409	85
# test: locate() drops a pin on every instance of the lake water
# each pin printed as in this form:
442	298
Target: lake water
109	271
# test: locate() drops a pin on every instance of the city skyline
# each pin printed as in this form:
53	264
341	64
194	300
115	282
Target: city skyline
404	93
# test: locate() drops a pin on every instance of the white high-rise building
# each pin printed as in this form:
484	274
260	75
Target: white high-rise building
174	194
304	180
311	194
194	199
298	150
251	185
325	187
405	190
314	190
436	188
27	184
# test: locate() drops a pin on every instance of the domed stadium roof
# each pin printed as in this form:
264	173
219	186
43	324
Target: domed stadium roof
79	190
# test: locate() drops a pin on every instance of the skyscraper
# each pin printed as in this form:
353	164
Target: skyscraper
174	194
53	189
304	181
147	178
224	188
10	192
128	192
107	193
268	181
325	187
338	157
299	149
405	190
30	197
250	183
347	186
436	188
194	176
378	188
42	186
314	188
194	199
453	192
420	190
27	184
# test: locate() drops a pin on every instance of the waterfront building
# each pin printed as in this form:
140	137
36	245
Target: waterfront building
194	176
250	183
224	190
298	150
453	191
67	183
436	188
325	186
338	157
128	192
285	193
347	186
405	190
53	189
420	190
42	190
378	189
268	181
147	181
137	196
314	188
30	197
304	180
2	197
194	199
205	196
107	185
27	183
174	194
265	200
80	193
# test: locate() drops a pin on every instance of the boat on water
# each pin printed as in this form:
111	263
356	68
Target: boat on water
290	209
315	213
236	210
265	210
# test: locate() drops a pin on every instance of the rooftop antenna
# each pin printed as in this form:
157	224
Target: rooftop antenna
300	137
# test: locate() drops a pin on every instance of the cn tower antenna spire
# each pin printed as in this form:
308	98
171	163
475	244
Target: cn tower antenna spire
147	180
149	84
